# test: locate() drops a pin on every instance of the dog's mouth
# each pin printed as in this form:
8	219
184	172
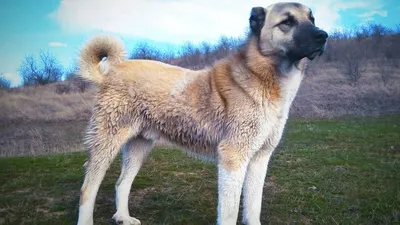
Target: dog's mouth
317	52
314	54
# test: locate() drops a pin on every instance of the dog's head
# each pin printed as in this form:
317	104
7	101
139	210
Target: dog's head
287	30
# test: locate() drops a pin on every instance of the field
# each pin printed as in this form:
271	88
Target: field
338	161
343	171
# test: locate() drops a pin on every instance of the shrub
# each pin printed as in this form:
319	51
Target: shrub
4	83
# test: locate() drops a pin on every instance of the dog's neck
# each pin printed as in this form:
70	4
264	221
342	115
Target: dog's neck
257	62
264	69
273	72
272	64
280	64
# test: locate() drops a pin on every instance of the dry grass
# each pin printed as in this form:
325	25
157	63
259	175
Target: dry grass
328	94
38	138
42	103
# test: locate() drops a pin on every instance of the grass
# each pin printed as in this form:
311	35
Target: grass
42	103
323	172
38	138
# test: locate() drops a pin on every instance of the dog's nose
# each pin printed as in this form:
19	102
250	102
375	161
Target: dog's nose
321	35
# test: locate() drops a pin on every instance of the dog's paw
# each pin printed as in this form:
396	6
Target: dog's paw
125	220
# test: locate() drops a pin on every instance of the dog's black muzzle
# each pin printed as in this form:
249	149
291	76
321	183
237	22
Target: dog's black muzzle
320	38
310	41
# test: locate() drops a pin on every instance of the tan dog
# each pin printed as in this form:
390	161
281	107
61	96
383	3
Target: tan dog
233	113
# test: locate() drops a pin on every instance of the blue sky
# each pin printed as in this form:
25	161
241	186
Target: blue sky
61	27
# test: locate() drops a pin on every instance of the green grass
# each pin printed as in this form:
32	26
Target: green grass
323	172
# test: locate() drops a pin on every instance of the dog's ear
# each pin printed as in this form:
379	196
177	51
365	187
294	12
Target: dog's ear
257	18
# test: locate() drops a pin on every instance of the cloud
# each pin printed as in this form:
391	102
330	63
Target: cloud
369	15
176	21
57	44
13	77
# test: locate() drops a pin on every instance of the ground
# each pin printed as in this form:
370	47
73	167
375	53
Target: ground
324	172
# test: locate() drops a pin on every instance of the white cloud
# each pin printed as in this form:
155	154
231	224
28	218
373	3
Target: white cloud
373	13
13	77
57	44
180	20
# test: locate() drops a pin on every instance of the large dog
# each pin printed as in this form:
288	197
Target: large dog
233	112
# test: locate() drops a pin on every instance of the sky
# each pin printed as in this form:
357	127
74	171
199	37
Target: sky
61	27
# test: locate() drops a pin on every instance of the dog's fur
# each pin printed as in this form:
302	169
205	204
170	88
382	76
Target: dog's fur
233	113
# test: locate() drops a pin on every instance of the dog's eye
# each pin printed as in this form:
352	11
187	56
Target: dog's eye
287	22
286	25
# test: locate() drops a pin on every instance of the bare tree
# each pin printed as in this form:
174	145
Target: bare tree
352	59
353	69
341	34
225	46
362	32
191	56
4	82
378	30
207	52
385	69
43	70
144	50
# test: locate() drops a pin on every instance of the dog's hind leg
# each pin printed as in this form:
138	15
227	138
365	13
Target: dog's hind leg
102	145
134	154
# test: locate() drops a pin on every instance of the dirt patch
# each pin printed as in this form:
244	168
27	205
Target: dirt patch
138	195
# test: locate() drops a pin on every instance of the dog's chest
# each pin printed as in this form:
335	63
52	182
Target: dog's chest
275	115
289	85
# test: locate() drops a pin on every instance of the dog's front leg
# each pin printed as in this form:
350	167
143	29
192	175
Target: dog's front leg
253	186
232	164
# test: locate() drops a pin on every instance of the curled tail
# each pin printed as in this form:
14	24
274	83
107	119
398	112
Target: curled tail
91	66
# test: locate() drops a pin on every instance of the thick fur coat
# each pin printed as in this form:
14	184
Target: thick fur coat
232	113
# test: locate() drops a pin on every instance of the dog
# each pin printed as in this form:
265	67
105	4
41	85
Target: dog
232	113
